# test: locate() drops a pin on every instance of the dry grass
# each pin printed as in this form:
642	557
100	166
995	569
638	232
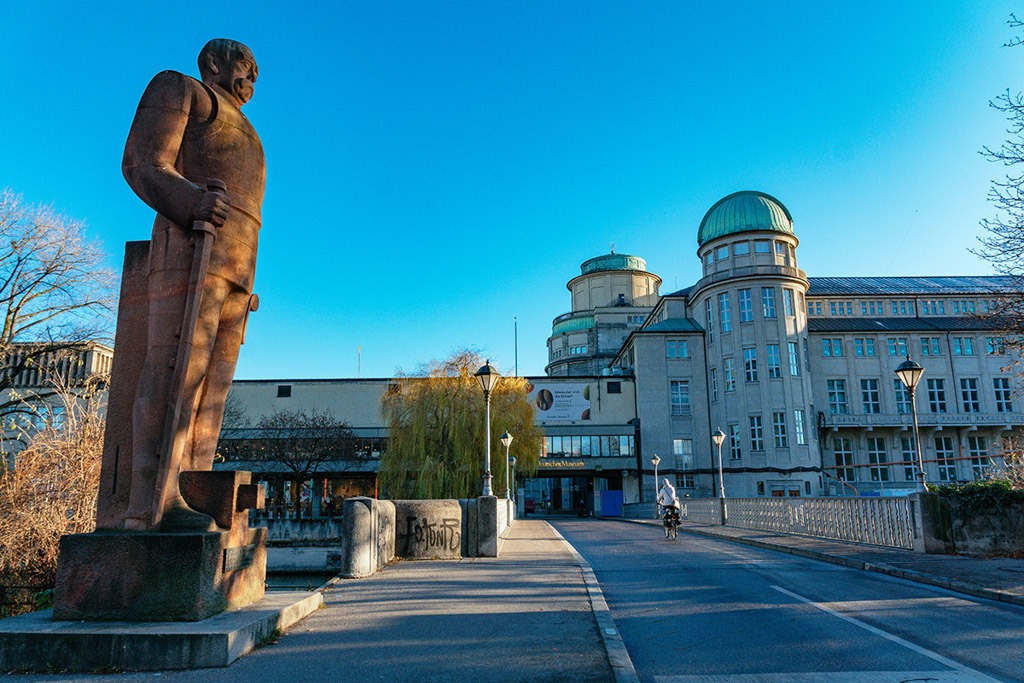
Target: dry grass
50	492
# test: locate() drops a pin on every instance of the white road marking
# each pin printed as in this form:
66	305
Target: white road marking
956	666
839	677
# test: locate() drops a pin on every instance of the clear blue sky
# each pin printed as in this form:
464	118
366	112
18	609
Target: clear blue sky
437	168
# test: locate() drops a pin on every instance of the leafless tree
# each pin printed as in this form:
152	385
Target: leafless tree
303	441
56	292
234	412
1002	245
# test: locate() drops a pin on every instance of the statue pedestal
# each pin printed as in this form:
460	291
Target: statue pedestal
139	576
113	575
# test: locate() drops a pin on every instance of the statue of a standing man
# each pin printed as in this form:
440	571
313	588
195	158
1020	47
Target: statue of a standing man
194	158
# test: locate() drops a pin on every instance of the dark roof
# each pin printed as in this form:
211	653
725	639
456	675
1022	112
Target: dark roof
684	293
675	325
871	286
936	324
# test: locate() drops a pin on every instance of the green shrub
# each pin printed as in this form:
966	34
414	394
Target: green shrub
992	495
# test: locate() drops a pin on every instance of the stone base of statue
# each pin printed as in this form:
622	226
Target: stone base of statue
166	576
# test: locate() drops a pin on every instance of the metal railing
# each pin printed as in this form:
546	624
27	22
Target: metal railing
701	510
876	521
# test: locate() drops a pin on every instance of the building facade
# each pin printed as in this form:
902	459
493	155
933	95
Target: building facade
37	379
589	458
798	371
795	370
611	297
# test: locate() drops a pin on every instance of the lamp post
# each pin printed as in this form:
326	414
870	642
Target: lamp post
910	373
719	438
654	461
506	441
488	378
512	461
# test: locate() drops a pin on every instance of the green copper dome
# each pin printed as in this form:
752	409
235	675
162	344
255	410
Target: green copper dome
742	212
613	261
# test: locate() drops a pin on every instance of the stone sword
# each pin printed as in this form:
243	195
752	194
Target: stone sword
203	235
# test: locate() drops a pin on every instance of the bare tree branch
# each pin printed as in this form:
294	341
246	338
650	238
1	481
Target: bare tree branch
56	291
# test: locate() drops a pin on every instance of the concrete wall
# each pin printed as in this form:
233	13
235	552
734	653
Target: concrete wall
987	533
368	542
428	529
356	401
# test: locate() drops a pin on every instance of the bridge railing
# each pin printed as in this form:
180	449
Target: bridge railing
702	510
885	522
876	521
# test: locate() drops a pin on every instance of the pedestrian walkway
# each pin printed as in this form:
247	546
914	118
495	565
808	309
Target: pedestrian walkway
524	616
996	578
533	614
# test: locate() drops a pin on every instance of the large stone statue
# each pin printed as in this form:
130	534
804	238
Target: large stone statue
193	157
185	297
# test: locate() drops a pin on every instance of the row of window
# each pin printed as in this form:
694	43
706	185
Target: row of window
900	346
751	370
784	253
879	466
900	307
39	418
970	401
756	432
270	448
590	446
686	480
745	297
573	351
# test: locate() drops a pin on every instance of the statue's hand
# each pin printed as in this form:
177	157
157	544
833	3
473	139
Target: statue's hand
211	207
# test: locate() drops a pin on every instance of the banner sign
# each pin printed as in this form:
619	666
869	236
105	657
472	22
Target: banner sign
561	401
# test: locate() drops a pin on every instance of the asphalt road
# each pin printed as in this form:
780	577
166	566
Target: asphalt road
700	609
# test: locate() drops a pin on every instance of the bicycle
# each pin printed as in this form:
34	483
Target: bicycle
671	523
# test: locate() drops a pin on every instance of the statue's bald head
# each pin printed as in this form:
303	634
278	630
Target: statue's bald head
230	66
223	50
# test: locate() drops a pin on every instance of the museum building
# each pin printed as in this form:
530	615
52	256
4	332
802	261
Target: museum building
796	372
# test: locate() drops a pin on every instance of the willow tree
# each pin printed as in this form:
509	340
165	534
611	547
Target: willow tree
436	443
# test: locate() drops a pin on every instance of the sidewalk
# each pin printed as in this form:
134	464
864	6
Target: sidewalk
535	613
524	616
997	578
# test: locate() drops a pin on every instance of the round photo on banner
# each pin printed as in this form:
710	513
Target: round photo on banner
545	399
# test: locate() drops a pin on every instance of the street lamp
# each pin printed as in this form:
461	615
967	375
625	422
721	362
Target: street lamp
488	378
506	441
654	461
910	373
512	461
719	438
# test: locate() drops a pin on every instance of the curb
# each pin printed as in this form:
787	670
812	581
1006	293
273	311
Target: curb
908	574
618	656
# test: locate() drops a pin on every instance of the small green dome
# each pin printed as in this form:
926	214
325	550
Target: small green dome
613	261
742	212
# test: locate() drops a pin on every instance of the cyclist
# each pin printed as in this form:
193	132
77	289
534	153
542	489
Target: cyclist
667	496
669	503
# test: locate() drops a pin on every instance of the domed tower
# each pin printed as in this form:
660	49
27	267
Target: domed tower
751	303
610	298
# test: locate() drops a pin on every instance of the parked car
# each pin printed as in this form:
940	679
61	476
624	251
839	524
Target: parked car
529	505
